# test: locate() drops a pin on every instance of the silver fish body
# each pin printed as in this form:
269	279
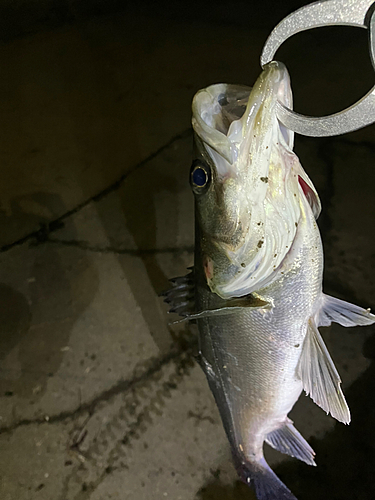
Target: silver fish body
257	278
251	356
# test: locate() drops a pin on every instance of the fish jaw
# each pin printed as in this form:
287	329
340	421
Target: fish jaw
250	213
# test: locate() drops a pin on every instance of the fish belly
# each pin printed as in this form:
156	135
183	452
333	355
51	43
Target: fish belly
253	375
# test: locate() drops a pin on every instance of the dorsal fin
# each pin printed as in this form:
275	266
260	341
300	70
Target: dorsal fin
180	297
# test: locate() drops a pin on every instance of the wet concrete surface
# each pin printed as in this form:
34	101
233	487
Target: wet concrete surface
100	397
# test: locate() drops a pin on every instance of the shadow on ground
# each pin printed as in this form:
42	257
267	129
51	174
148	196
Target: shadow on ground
37	327
217	491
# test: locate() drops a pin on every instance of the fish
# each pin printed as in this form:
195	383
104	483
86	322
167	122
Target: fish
255	290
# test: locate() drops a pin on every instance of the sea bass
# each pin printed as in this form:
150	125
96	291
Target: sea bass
255	290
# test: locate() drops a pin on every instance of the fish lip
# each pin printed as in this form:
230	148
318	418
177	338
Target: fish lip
209	99
215	139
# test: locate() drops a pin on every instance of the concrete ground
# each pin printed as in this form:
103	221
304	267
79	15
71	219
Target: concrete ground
99	397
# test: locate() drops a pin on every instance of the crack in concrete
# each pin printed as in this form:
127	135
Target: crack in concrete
41	235
139	426
123	386
85	245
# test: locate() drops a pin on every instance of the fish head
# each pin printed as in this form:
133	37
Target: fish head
245	178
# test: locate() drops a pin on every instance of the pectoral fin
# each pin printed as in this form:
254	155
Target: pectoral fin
344	313
229	307
319	376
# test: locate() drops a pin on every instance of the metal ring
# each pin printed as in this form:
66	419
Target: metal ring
326	13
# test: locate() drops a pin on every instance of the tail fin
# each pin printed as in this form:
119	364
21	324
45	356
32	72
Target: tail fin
266	484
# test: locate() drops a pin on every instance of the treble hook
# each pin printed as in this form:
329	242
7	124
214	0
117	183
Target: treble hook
358	13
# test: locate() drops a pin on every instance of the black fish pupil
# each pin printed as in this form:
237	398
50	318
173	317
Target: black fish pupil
199	177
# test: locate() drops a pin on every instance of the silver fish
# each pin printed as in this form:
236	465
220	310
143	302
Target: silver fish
256	286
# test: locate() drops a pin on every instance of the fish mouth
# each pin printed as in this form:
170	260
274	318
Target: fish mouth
217	106
238	131
214	110
221	110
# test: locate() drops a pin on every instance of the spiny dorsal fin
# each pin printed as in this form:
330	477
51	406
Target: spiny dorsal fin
344	313
180	297
319	376
288	440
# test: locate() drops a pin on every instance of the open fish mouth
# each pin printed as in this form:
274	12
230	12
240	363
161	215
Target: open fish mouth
250	213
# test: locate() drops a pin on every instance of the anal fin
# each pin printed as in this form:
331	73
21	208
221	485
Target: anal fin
319	376
288	440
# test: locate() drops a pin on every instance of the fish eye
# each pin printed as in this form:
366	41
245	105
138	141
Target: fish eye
200	176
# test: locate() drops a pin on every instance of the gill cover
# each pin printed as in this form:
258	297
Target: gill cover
248	215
